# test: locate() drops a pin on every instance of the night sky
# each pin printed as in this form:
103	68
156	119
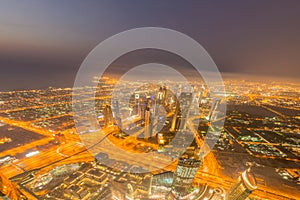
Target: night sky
42	43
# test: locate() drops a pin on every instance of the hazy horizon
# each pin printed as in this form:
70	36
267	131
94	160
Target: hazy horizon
225	76
44	43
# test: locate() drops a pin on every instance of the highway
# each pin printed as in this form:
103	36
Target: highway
211	175
74	151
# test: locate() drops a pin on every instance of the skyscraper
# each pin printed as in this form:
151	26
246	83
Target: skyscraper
182	111
176	118
136	105
187	167
161	95
115	108
108	116
148	124
213	111
243	188
116	112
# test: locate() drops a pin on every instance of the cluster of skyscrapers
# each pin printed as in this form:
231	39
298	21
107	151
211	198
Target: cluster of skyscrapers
179	184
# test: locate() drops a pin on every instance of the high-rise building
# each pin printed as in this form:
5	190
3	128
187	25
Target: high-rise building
161	95
176	118
148	124
243	188
187	167
108	116
136	108
115	108
213	111
116	112
185	103
182	109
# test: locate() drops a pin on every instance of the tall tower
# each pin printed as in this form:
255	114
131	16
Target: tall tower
116	113
182	111
212	114
108	116
149	101
136	105
243	188
186	99
176	119
187	167
115	108
148	124
161	95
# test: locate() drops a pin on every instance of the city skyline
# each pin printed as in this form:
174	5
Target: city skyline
149	100
58	156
